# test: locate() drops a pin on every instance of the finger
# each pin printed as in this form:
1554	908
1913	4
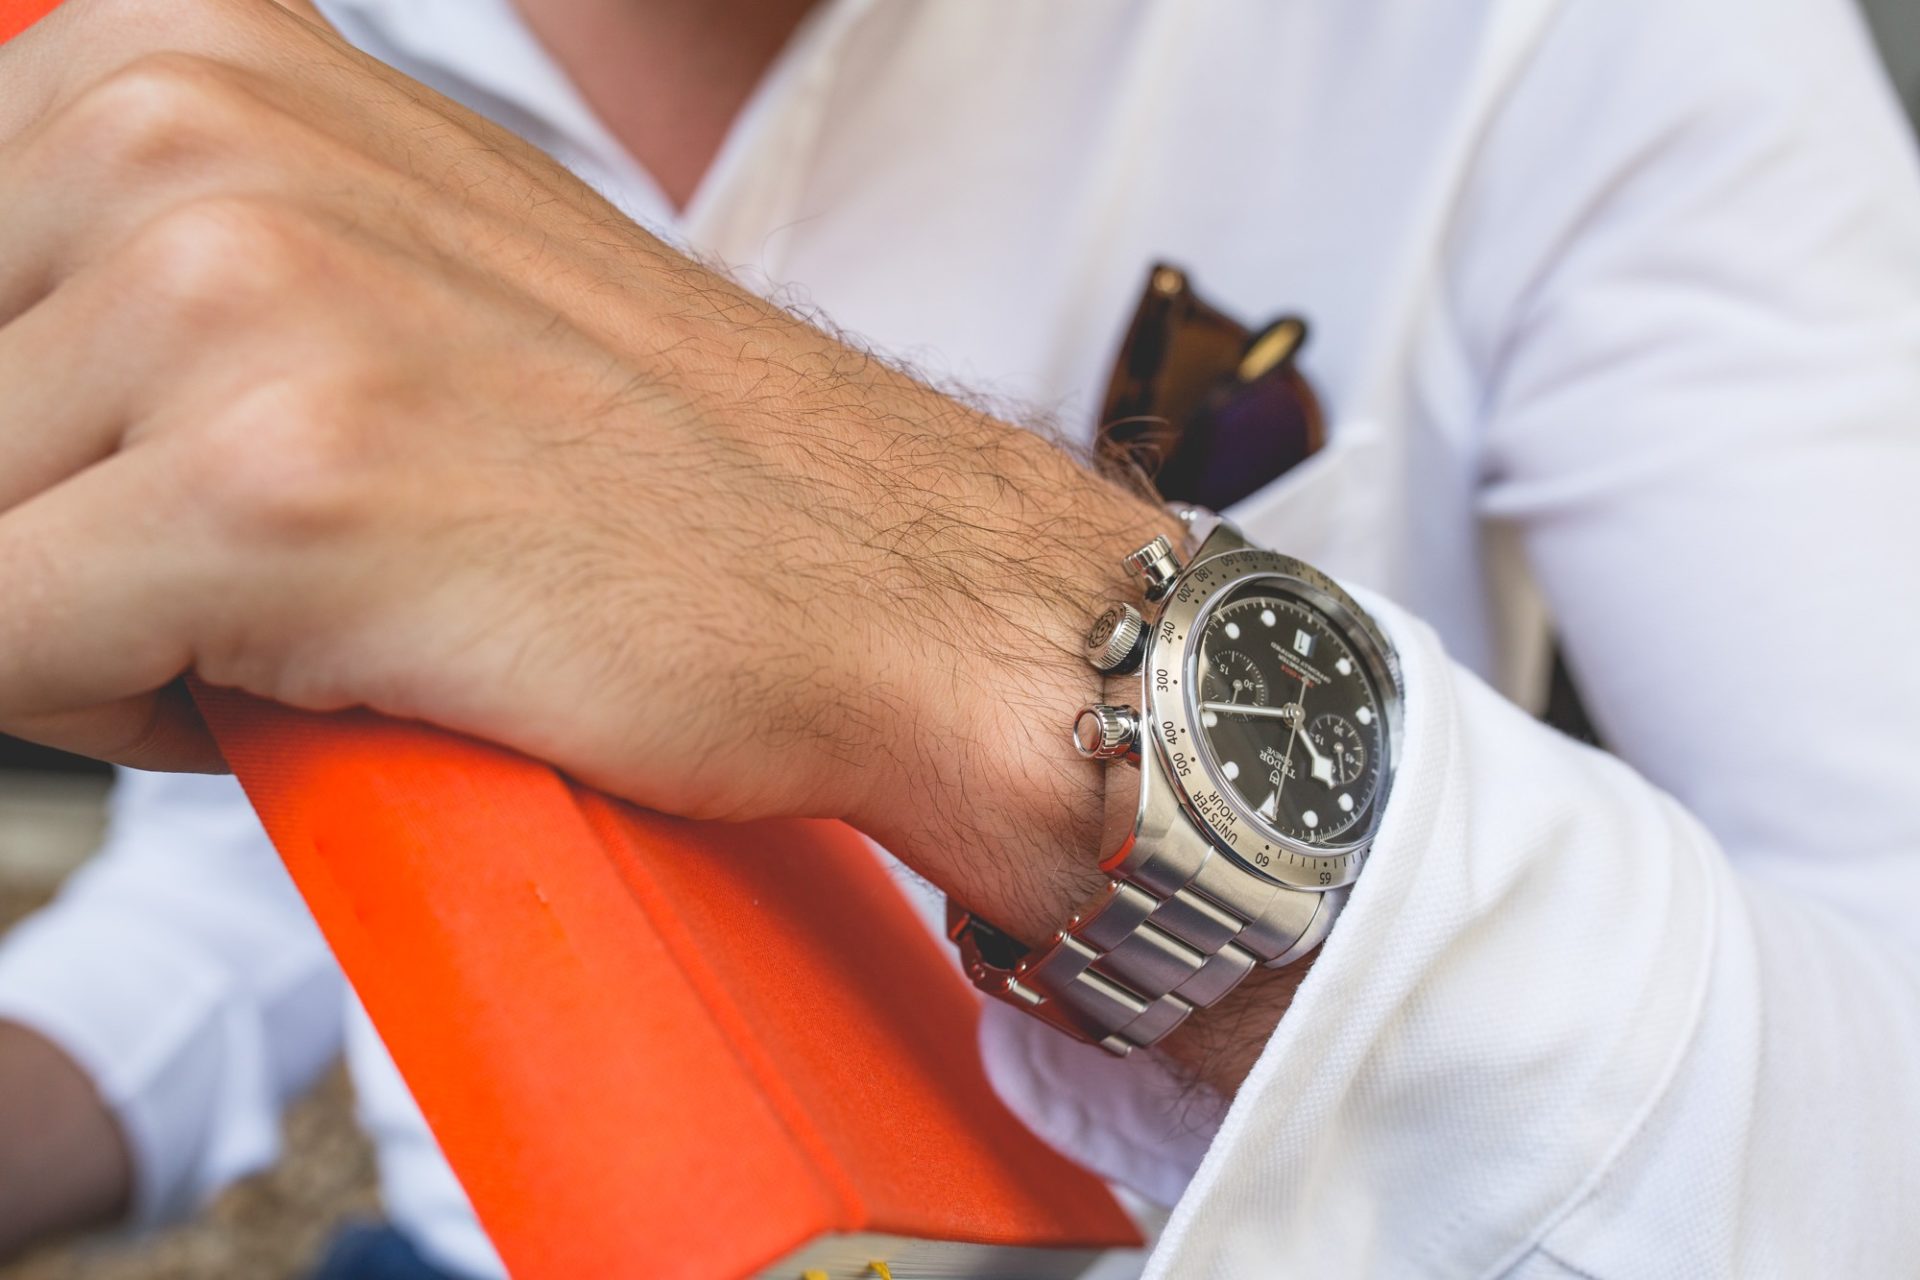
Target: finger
72	371
285	49
75	44
83	41
168	322
161	730
96	583
152	137
216	304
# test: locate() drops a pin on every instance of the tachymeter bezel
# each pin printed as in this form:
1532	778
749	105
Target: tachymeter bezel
1170	678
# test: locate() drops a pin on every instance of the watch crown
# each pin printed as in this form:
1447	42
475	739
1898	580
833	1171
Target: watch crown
1102	732
1114	642
1157	566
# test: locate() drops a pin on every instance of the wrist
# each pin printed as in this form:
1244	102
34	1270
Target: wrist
977	785
961	559
1023	848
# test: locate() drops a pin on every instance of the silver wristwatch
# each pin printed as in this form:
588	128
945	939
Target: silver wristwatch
1259	708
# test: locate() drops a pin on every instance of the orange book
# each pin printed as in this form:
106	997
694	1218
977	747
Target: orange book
649	1047
653	1047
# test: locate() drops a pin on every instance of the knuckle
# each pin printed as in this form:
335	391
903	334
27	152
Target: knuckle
155	111
284	465
220	253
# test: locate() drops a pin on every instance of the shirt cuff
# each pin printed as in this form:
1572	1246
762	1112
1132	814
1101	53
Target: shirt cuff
1508	988
1131	1120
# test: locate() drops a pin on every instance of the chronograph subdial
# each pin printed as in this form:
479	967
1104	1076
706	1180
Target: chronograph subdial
1231	676
1337	739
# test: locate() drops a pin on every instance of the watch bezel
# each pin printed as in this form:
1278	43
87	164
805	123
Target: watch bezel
1178	746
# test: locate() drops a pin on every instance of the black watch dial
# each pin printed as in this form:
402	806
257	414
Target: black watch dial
1289	714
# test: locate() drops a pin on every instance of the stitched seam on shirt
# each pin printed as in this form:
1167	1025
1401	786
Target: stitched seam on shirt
1696	1017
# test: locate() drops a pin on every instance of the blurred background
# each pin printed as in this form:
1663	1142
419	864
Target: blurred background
272	1226
266	1229
1897	23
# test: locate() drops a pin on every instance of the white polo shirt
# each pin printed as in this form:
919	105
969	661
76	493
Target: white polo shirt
1616	306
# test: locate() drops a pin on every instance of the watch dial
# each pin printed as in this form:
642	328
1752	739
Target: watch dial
1290	716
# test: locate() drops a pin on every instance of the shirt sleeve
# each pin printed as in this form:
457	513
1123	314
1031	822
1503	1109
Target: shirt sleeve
1655	1013
180	969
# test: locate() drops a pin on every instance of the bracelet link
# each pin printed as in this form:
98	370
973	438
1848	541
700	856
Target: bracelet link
1131	967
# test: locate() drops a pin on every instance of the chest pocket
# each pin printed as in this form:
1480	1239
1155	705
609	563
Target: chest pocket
1328	510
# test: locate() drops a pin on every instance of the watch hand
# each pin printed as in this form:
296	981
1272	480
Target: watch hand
1322	769
1322	765
1287	755
1247	709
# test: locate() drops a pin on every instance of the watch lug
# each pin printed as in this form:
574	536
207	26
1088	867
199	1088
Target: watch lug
1148	839
1303	937
1223	538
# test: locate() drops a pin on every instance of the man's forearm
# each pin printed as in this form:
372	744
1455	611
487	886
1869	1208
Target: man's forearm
63	1162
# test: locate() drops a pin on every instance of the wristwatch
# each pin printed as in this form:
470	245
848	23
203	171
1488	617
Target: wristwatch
1251	722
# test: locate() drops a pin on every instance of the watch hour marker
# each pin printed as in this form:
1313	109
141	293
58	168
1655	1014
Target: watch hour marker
1303	644
1209	719
1231	769
1266	616
1311	818
1346	804
1270	807
1364	715
1233	631
1344	667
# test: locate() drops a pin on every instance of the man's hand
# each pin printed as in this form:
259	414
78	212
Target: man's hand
319	386
316	385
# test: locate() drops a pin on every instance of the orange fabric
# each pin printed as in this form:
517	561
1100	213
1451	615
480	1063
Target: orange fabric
648	1047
